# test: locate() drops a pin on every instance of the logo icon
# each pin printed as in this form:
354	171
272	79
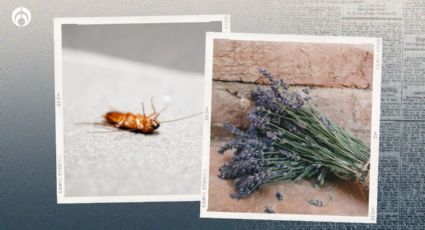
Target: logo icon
21	16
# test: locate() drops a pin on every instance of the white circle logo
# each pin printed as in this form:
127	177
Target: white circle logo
21	16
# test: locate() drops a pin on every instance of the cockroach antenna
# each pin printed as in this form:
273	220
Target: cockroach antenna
182	118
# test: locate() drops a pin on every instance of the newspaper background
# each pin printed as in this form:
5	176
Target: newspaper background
401	25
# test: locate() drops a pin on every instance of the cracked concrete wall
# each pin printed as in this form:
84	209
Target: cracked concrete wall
339	77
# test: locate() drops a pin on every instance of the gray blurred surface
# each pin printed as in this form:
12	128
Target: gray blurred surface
103	161
117	67
173	45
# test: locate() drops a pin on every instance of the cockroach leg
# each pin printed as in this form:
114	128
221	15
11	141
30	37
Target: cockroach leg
156	115
153	107
119	124
138	123
143	109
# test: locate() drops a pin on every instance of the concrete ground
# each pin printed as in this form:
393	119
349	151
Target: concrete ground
103	161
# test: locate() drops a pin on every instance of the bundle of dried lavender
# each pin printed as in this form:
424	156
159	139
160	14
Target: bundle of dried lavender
288	139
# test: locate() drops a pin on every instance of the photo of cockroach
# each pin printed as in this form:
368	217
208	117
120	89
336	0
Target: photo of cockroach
129	104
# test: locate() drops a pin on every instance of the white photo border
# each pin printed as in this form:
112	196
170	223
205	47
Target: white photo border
60	157
374	147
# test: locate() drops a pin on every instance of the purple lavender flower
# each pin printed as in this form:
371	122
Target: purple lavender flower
241	142
271	135
297	101
266	100
278	98
269	210
266	74
227	146
269	76
325	122
258	119
232	129
235	169
246	185
317	203
246	155
279	196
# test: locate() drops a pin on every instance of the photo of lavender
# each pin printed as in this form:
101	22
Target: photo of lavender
292	130
288	139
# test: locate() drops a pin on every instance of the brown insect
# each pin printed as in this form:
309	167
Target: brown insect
139	123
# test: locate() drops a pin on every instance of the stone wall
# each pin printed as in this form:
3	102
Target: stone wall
339	77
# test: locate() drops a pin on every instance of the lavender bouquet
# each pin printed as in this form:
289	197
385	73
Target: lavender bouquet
288	139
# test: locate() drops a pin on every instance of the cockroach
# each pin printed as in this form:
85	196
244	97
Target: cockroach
138	123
